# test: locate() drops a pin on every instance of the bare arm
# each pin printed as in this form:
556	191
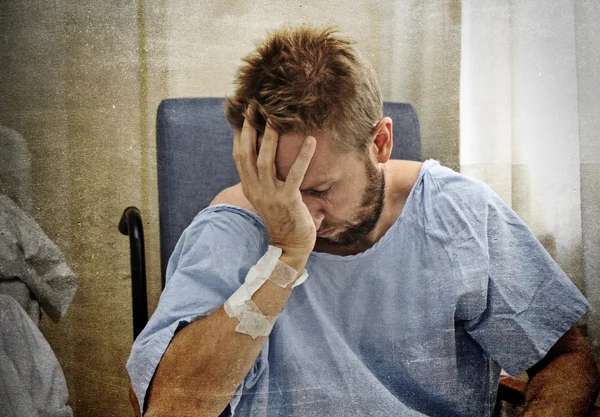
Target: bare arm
566	382
207	360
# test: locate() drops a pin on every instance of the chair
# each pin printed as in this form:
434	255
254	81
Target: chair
188	128
194	160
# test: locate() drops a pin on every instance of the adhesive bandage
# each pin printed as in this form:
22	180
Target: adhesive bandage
240	304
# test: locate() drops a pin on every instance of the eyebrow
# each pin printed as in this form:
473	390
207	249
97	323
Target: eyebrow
318	184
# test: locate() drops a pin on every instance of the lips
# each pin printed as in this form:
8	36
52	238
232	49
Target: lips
325	233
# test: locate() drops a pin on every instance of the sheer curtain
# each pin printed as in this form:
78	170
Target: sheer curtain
420	64
530	126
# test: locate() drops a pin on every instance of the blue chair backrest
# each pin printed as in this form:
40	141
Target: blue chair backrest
194	145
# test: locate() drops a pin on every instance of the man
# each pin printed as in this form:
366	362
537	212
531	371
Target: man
422	282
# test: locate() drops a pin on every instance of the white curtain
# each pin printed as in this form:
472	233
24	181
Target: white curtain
420	64
530	123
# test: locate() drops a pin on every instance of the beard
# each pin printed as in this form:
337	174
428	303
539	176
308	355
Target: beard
369	211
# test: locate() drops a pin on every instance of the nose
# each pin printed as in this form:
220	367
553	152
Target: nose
316	210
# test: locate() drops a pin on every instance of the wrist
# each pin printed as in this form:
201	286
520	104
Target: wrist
296	260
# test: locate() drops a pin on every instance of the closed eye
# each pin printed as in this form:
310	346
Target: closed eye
320	193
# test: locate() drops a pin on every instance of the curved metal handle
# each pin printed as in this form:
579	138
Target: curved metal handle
131	225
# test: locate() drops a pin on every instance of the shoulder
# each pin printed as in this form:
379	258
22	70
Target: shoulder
238	216
436	181
234	196
453	189
237	212
228	221
452	205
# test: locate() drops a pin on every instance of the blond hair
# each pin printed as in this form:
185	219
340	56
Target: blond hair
305	79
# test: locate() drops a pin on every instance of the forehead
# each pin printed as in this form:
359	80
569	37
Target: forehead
327	161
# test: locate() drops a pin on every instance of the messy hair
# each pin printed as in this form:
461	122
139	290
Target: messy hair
305	79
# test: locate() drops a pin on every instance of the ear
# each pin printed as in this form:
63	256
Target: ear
381	148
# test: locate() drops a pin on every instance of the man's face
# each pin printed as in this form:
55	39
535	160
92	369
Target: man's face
353	204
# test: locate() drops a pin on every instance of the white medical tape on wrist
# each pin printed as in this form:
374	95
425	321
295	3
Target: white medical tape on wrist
283	274
301	279
240	304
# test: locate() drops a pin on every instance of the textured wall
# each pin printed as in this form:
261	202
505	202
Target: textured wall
81	81
70	85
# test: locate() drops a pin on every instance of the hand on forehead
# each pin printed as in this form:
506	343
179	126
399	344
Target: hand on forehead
288	148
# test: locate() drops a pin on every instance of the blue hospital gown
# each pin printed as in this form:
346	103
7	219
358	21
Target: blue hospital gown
419	324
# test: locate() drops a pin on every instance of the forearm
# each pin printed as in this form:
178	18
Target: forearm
208	359
564	384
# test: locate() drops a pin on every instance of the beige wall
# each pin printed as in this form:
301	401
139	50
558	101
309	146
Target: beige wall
81	81
71	86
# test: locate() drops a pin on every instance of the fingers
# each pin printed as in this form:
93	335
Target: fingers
266	155
252	143
244	153
258	171
300	165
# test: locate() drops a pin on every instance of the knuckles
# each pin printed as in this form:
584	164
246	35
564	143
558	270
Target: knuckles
239	156
262	165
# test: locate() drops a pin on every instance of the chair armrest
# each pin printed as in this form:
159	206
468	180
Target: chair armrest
512	390
131	225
